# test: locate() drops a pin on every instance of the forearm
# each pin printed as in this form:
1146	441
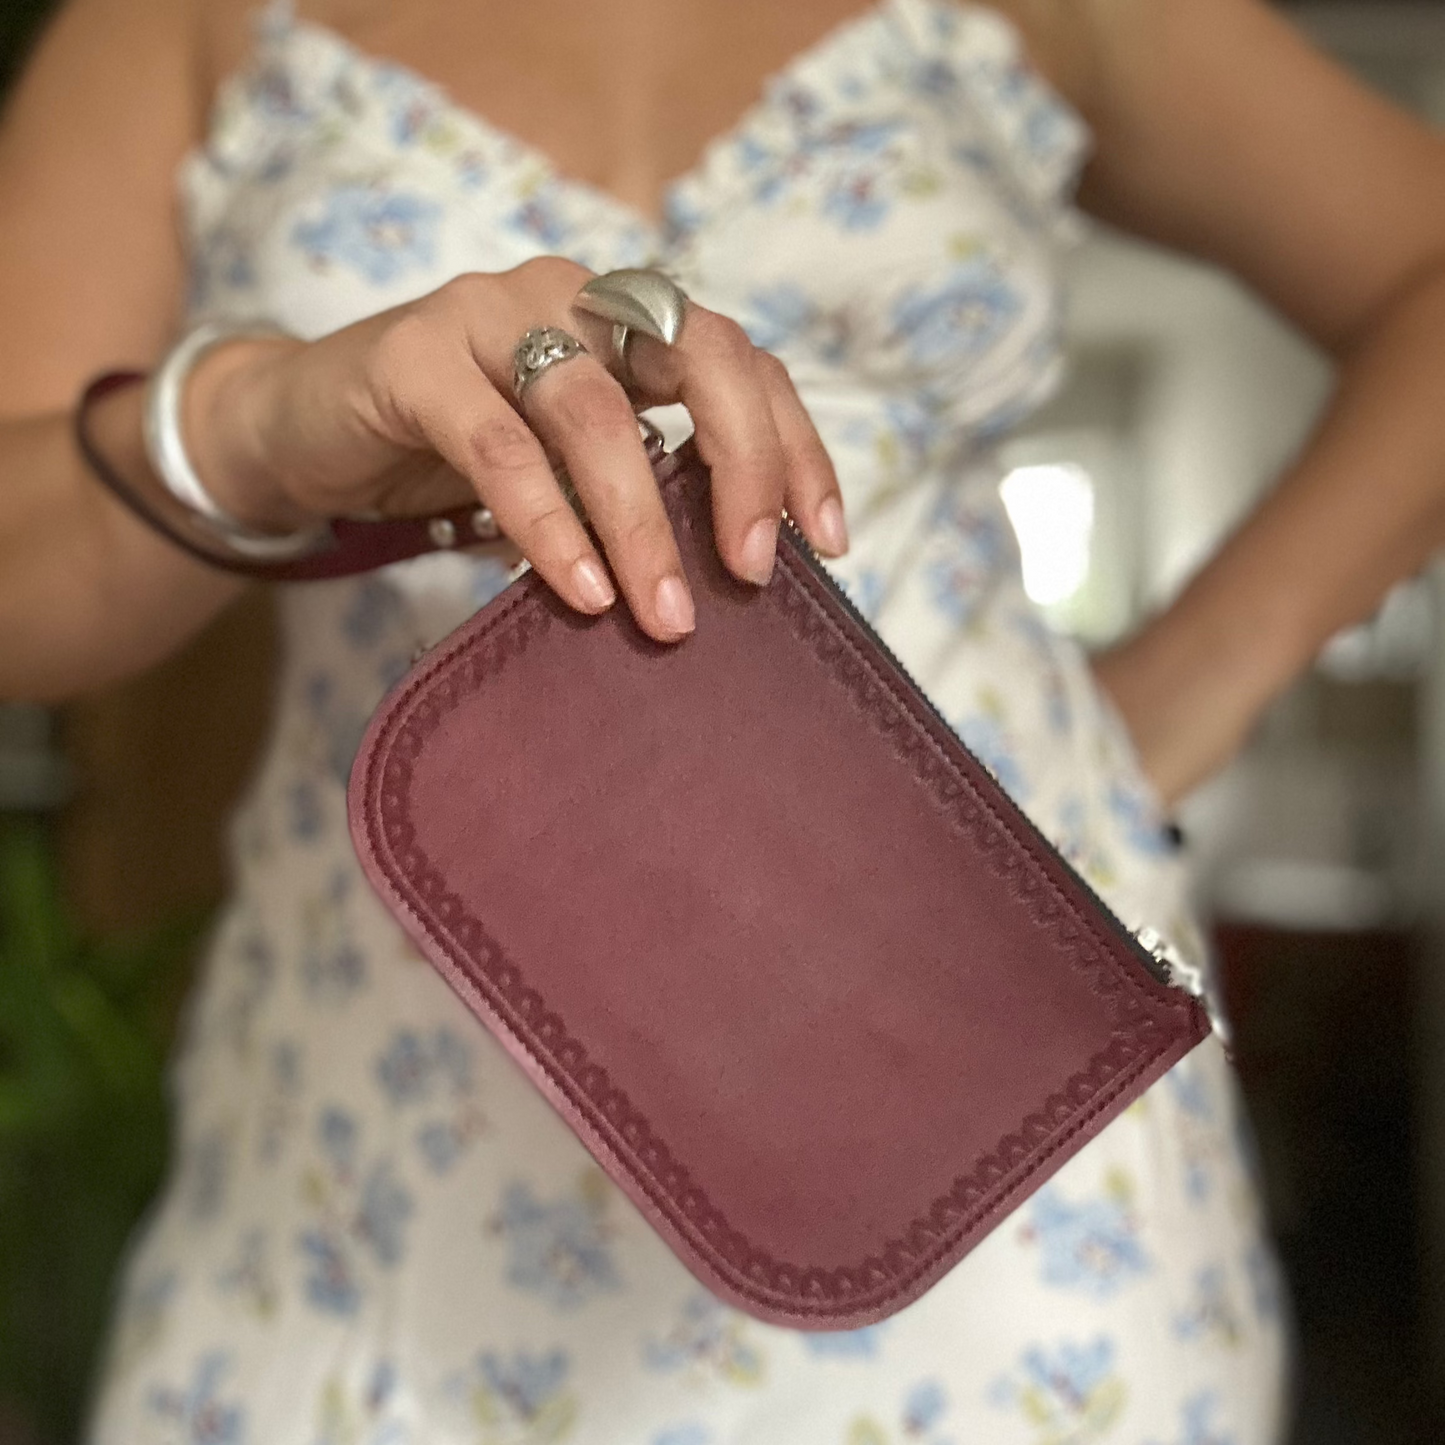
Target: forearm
1362	507
88	594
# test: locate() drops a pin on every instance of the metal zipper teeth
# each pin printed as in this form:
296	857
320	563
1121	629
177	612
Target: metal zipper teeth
1157	960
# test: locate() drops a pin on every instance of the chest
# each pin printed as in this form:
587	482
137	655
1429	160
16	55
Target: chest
620	94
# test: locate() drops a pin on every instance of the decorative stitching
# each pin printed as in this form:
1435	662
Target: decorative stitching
939	1234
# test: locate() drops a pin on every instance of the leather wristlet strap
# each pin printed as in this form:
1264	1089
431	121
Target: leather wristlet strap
345	546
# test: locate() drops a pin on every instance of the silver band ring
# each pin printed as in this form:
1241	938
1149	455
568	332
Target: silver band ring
635	300
542	348
621	335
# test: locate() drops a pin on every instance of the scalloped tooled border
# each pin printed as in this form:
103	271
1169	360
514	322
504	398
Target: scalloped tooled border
799	1290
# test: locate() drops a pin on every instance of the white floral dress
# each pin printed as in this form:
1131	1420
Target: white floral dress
375	1232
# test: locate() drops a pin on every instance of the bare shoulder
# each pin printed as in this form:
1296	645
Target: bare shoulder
1221	130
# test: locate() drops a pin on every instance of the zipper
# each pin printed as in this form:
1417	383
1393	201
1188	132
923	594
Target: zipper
1159	958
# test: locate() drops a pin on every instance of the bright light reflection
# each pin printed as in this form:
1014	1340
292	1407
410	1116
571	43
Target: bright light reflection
1052	510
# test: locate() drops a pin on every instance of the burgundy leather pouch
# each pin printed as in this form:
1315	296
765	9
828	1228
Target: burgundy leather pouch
804	980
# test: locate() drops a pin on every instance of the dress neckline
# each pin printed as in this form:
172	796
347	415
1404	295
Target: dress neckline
683	186
684	199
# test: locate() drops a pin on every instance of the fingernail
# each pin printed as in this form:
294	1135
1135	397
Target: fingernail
674	606
832	528
760	551
592	585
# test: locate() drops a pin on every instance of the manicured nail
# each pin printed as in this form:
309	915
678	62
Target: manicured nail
674	606
831	527
760	551
596	591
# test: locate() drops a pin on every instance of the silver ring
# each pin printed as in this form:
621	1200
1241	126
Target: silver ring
635	300
540	349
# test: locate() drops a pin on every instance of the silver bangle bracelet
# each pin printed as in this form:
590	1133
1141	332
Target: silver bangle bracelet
166	447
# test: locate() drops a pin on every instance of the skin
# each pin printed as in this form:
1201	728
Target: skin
1218	131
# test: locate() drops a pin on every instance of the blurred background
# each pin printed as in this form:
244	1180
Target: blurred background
1320	852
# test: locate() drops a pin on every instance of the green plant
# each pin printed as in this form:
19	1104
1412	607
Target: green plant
84	1030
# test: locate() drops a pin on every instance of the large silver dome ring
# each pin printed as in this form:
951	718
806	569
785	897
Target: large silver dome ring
635	300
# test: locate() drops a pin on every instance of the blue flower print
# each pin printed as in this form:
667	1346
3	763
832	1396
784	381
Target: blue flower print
1198	1136
859	165
784	317
1191	1091
271	91
338	725
919	426
385	1208
1136	812
925	1409
1079	843
860	1344
331	1280
1071	1393
1197	1427
253	976
958	318
337	1132
517	1399
707	1341
1091	1246
418	118
374	611
358	1211
935	77
223	266
363	1412
541	218
983	735
380	234
405	1068
683	1435
416	1068
195	1413
855	202
970	547
433	1073
440	1145
1210	1316
281	1089
333	967
304	809
866	590
559	1251
778	315
1043	643
249	1277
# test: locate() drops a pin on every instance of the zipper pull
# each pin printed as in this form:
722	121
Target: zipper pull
1176	969
1178	972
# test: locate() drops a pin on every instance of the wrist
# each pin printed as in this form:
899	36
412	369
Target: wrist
228	413
1192	682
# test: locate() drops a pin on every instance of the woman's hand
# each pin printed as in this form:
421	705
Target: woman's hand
412	411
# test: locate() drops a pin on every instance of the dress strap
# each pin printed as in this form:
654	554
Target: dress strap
276	17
